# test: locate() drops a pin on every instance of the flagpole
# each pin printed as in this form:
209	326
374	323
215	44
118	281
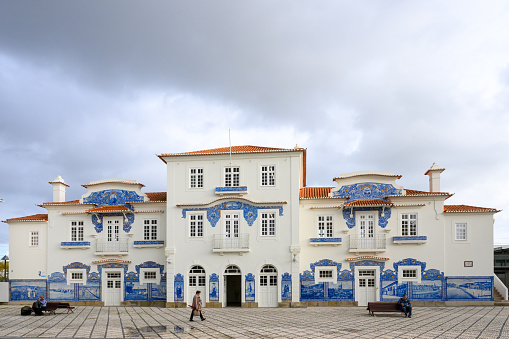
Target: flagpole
230	140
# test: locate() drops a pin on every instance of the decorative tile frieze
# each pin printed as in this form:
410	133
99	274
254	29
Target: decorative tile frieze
410	238
214	212
325	241
113	197
231	189
75	244
384	214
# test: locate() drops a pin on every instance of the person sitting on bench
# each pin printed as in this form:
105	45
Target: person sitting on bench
43	302
405	306
38	307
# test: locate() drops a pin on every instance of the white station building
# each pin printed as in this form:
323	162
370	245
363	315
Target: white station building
241	225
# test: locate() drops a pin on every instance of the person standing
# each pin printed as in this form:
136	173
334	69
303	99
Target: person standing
196	306
405	306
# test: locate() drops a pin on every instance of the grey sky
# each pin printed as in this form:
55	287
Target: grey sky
93	90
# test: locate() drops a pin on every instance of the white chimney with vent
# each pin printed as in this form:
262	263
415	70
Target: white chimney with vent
59	189
434	177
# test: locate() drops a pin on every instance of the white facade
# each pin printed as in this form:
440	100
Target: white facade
241	226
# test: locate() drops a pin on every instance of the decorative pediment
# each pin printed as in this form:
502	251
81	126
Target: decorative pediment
113	198
410	262
366	190
325	262
76	265
149	264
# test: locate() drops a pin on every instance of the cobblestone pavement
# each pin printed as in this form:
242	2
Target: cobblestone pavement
323	322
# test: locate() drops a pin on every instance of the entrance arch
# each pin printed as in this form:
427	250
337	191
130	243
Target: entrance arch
268	292
196	282
232	277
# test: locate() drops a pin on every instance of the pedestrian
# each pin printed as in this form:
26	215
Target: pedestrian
196	306
405	306
38	307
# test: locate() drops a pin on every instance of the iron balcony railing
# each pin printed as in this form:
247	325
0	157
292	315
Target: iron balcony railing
105	246
232	243
377	242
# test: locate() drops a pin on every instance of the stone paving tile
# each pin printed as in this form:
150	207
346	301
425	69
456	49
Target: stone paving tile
312	322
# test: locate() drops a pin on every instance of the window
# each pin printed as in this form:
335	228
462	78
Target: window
325	274
409	224
196	177
409	273
150	229
76	276
150	275
268	175
461	232
76	230
268	224
232	176
34	239
325	226
196	225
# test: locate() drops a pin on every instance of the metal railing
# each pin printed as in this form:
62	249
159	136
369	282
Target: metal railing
378	242
120	246
222	242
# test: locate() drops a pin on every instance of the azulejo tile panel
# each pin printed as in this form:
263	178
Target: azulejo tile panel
384	214
27	289
214	287
113	198
366	190
468	288
286	287
250	287
214	212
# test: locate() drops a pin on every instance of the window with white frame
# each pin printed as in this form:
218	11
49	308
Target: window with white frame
268	224
76	276
232	176
409	273
460	231
76	230
325	274
34	239
268	175
150	275
196	225
150	229
325	226
196	177
409	224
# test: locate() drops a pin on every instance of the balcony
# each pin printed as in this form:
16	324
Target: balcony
223	244
105	247
362	244
240	190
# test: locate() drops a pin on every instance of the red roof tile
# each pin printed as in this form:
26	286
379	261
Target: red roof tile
234	149
117	208
71	202
468	209
156	196
35	217
369	202
314	192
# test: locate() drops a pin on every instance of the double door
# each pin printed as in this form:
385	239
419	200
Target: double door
113	289
366	231
366	287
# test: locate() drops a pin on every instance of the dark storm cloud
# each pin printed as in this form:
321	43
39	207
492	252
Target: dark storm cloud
94	90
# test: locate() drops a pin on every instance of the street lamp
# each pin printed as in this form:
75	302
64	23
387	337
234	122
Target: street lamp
5	258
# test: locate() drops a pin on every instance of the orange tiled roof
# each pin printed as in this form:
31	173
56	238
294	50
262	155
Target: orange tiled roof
71	202
156	196
314	192
364	257
468	209
416	192
35	217
234	149
369	202
117	208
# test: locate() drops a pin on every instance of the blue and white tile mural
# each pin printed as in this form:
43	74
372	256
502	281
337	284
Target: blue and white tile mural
60	291
342	290
250	287
461	288
157	292
391	290
179	287
135	292
214	287
286	287
427	289
27	289
90	292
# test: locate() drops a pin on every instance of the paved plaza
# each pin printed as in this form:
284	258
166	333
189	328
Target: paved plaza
322	322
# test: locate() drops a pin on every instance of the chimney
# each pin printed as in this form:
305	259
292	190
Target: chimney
58	189
434	177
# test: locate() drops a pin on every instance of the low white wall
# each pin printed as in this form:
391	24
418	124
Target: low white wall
4	292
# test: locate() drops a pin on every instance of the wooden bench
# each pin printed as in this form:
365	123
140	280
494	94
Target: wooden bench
68	307
381	306
51	307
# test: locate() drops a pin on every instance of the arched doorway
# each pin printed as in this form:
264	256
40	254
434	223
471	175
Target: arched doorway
196	282
268	287
232	286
